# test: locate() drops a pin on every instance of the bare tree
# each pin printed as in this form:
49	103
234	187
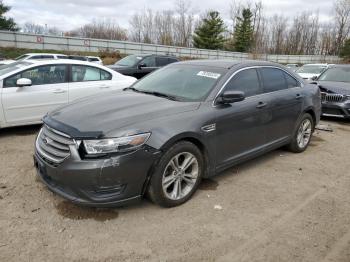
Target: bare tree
342	18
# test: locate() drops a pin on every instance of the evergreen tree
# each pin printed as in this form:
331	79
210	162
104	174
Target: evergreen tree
209	35
345	50
243	35
6	23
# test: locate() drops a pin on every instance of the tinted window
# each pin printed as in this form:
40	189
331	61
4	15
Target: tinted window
172	60
246	81
50	74
92	59
273	79
162	61
291	82
82	73
47	57
35	57
149	61
62	57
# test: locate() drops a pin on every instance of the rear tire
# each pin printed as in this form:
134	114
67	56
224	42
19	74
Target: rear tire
302	134
177	175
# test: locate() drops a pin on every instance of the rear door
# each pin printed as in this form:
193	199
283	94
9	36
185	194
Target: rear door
29	104
241	126
88	80
286	102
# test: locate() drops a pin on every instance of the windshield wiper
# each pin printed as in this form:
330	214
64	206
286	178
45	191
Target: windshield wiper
154	93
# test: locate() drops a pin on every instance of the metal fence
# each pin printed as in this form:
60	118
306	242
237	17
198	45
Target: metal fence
45	42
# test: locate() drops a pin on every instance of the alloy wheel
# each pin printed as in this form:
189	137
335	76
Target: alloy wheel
304	133
180	176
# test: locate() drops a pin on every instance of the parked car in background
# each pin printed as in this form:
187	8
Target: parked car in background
311	71
293	67
140	65
94	59
78	57
34	56
31	88
162	135
334	84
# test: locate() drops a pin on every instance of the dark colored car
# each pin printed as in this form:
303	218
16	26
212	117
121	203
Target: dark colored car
165	133
334	84
140	65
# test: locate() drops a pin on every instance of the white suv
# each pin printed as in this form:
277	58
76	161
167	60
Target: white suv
31	88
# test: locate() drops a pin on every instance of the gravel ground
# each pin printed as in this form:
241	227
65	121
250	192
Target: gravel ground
279	207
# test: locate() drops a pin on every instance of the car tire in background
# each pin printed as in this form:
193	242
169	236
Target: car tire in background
302	134
177	175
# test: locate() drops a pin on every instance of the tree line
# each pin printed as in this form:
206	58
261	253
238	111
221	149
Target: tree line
249	29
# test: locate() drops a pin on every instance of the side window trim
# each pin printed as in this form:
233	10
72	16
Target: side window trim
260	79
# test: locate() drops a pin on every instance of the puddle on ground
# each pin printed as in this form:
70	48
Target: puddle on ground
71	211
208	184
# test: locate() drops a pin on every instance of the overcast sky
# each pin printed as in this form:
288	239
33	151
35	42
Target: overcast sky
68	15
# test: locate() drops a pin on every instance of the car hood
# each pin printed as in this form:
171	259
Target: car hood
334	87
105	114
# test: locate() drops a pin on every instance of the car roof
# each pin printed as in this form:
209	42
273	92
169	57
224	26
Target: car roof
58	61
341	65
44	54
316	65
226	63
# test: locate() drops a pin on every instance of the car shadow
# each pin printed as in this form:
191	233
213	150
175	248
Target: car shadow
20	130
336	120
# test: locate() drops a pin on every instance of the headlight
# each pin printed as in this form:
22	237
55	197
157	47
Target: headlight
119	144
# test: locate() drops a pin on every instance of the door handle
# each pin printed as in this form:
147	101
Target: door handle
59	91
104	86
261	105
298	96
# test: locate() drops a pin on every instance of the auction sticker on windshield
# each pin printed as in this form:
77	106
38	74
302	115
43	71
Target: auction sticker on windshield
209	74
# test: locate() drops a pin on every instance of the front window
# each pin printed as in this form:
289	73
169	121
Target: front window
336	74
130	60
311	69
185	82
42	75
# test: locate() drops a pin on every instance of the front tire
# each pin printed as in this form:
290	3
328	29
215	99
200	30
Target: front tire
302	134
177	175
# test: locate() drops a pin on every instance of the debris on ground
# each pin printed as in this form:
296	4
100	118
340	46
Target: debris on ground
217	207
327	128
36	209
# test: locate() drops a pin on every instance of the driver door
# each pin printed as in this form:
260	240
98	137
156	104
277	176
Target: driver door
146	66
28	104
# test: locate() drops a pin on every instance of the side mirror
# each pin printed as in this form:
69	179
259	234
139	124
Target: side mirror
141	65
23	82
229	97
314	78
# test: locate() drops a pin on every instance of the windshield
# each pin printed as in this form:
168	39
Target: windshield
130	60
336	74
311	69
184	82
21	57
4	69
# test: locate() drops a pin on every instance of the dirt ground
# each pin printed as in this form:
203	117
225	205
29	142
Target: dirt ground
279	207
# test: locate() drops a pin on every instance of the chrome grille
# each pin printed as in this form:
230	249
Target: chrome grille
329	97
52	145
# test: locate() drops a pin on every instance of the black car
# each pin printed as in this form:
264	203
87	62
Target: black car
165	133
140	65
334	84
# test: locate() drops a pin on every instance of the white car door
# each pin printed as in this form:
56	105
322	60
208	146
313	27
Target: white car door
90	80
28	104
